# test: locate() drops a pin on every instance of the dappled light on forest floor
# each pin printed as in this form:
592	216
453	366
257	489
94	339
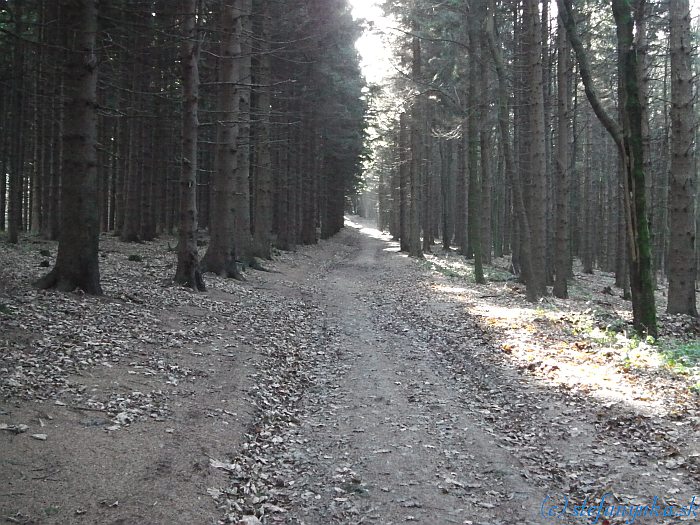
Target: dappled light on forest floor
584	345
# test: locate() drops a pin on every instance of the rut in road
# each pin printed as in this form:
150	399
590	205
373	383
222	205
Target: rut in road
396	420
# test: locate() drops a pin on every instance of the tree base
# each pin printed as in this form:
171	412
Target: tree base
63	282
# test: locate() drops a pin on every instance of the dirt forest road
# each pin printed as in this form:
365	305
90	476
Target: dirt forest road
390	438
348	385
408	418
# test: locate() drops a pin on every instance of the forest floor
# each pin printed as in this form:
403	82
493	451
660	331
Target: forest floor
349	384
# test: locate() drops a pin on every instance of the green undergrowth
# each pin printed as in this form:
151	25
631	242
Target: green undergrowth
459	268
683	357
679	357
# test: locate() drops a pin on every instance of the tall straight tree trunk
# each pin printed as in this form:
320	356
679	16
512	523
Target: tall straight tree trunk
404	176
485	145
263	169
188	272
414	245
562	260
242	65
587	236
641	278
536	153
427	178
221	253
77	264
147	227
16	179
474	196
682	264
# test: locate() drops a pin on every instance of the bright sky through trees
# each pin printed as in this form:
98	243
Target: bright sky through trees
371	46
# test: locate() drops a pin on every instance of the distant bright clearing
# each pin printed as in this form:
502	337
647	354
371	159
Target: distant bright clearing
365	229
376	64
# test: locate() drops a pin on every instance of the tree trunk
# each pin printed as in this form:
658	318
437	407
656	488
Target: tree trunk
414	245
188	272
486	149
536	168
242	65
221	253
426	175
404	176
16	178
263	169
641	278
562	262
474	196
682	265
77	264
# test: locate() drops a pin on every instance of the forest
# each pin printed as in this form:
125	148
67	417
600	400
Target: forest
254	272
227	118
549	134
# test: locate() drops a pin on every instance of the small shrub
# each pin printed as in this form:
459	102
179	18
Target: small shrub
135	257
45	253
44	264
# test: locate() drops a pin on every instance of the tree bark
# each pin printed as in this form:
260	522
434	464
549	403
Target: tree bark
242	65
475	113
188	272
404	176
220	257
16	178
562	260
682	265
536	169
414	244
263	170
485	146
77	264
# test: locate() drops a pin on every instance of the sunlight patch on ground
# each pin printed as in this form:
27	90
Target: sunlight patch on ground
366	229
457	290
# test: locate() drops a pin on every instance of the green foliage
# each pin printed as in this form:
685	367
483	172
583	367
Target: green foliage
52	510
458	268
135	257
681	357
